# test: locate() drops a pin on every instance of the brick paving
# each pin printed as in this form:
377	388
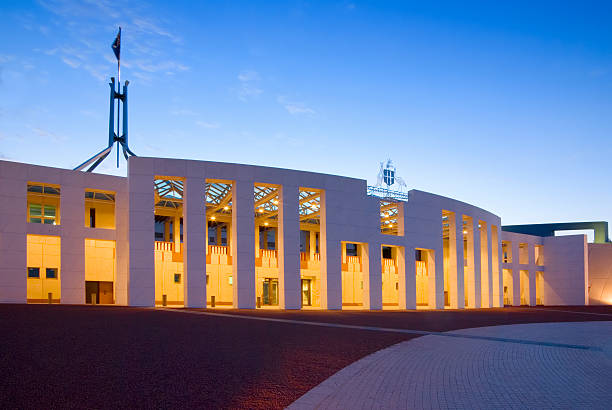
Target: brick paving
457	372
119	357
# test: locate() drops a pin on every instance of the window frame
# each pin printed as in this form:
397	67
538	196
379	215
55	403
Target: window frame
32	268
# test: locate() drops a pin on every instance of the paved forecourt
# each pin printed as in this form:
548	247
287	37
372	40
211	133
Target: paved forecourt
539	365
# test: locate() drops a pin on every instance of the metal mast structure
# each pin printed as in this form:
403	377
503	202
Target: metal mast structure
120	136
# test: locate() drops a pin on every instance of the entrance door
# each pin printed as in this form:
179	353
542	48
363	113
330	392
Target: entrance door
270	292
106	293
306	292
92	292
99	293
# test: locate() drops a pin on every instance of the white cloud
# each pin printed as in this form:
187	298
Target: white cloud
205	124
184	112
85	23
294	108
71	63
249	85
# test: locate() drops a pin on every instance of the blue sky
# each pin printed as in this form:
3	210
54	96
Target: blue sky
504	106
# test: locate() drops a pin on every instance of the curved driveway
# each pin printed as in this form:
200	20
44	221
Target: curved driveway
541	365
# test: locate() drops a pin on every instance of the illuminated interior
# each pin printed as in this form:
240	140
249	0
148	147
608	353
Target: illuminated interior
99	209
392	268
390	217
507	282
100	271
539	288
43	269
506	252
524	284
468	266
43	203
352	275
267	286
423	266
169	288
219	273
523	253
310	258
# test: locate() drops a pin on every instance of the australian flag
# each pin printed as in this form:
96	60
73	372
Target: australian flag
117	45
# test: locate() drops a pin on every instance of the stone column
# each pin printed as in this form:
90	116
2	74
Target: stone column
122	246
457	238
72	264
490	266
476	295
373	297
331	263
243	253
516	275
532	274
485	269
410	278
289	249
13	241
194	250
141	280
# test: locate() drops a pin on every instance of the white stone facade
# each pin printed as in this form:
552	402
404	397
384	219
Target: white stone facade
459	244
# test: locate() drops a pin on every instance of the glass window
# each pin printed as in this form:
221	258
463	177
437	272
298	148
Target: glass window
42	214
177	278
51	273
351	249
387	252
33	272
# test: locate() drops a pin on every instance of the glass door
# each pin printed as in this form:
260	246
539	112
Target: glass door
270	292
306	292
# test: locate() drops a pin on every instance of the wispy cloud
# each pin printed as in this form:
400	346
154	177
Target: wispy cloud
184	112
56	138
72	63
205	124
294	108
249	85
85	23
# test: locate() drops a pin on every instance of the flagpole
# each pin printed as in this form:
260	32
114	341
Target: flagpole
118	91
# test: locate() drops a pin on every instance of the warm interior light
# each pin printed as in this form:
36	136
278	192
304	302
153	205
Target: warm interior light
275	202
212	218
465	232
260	210
313	206
391	226
226	207
266	224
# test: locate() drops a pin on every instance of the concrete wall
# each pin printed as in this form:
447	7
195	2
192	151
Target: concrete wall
600	273
566	275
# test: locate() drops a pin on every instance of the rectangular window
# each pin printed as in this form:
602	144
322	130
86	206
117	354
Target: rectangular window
351	249
51	273
35	213
418	256
230	280
34	273
92	217
43	204
177	278
386	252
